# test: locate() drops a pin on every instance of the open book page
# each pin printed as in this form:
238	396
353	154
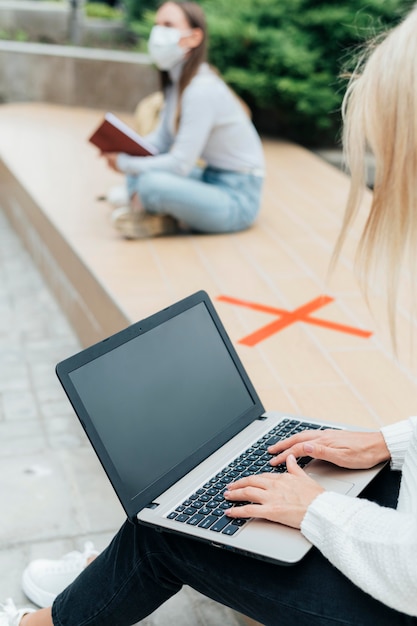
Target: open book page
113	135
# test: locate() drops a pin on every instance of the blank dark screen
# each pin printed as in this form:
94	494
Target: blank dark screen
159	397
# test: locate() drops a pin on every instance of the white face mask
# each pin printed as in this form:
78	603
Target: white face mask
164	48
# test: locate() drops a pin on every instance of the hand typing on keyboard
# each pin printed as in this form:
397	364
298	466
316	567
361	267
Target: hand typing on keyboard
282	498
265	476
353	450
285	497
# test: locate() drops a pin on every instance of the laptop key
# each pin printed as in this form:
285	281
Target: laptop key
230	530
208	521
190	510
218	512
220	524
205	511
182	518
195	519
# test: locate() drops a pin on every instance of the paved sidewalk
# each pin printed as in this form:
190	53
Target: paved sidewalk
53	492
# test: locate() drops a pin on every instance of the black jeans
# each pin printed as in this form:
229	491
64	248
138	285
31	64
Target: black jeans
142	568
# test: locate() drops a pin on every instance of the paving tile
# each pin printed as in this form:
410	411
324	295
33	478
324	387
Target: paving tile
320	402
391	395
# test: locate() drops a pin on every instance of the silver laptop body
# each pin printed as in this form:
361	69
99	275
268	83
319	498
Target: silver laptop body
167	404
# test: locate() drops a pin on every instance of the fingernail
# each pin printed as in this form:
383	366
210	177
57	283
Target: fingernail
308	447
291	458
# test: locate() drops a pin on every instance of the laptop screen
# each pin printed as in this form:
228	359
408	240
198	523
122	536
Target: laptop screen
162	401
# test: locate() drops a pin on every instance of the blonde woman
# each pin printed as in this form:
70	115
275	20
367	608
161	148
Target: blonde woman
363	567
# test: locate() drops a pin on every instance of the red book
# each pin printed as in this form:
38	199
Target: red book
113	135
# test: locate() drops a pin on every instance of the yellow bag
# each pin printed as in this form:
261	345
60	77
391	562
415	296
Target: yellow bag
147	113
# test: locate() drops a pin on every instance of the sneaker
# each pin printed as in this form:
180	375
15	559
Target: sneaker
118	196
44	579
10	615
139	225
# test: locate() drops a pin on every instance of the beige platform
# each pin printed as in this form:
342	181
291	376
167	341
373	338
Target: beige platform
50	179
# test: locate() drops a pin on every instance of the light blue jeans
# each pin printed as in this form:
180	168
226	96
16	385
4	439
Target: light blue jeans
208	200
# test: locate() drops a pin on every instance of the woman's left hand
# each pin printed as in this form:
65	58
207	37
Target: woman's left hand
282	498
111	158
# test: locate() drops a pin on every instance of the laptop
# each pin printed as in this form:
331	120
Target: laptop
173	418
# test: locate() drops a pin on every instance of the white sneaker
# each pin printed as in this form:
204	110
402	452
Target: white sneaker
10	615
44	579
118	196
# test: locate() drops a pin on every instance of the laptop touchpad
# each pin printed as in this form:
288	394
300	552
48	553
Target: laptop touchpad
332	484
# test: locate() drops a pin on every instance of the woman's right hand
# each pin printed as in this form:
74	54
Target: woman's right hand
345	448
111	158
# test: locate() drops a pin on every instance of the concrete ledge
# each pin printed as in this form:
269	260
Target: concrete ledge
92	312
335	157
73	76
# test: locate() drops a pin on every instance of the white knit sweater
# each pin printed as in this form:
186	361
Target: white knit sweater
374	546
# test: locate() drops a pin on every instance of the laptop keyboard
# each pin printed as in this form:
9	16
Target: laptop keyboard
206	506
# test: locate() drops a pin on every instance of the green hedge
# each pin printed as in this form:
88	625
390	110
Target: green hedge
285	57
137	8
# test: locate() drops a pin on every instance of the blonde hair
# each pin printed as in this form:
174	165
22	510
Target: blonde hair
380	115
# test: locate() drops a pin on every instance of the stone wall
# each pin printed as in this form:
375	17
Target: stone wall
57	22
74	76
41	21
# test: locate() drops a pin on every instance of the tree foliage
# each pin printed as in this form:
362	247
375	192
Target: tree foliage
137	8
285	57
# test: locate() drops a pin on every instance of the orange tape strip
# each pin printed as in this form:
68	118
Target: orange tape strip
302	314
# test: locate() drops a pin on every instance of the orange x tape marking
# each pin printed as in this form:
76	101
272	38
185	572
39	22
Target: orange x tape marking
286	318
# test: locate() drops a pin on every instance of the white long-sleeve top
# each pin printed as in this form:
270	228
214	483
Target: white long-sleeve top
374	546
213	127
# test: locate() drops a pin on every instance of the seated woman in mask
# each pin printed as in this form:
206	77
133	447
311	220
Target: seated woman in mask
202	121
